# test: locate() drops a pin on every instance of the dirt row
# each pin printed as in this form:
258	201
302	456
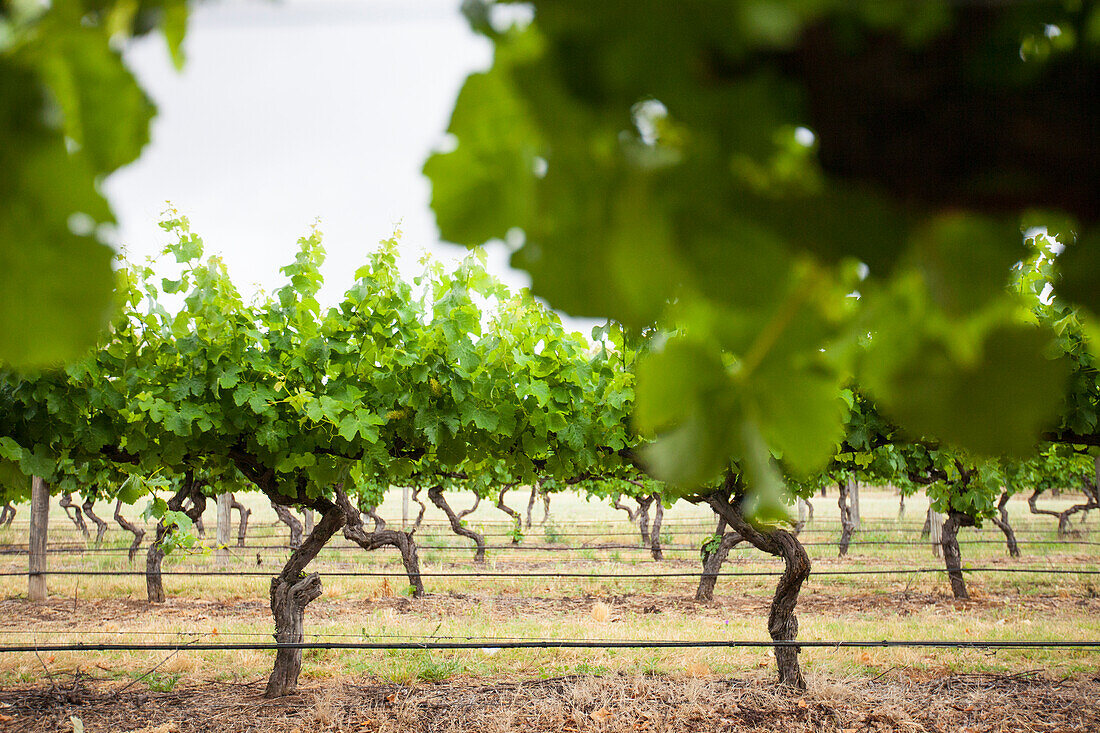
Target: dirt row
613	704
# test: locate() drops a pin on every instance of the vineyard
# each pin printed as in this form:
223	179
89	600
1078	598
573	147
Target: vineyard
436	482
824	457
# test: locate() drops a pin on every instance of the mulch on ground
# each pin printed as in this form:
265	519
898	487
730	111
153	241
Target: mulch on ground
897	701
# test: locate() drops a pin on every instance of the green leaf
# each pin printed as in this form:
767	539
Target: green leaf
105	112
14	484
55	278
683	396
39	461
485	419
540	390
997	404
174	27
9	449
485	186
131	490
1079	267
673	381
363	422
799	411
793	394
966	261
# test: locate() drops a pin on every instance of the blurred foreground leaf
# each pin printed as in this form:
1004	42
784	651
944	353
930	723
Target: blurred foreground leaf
70	113
998	404
55	277
680	166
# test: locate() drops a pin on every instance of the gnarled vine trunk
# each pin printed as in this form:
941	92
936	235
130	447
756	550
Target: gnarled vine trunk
382	537
1002	523
655	531
373	515
245	512
191	501
287	518
531	502
7	515
291	591
100	525
714	559
847	524
782	622
952	557
73	512
545	507
1091	502
617	502
644	502
154	556
135	530
435	494
1092	492
420	514
517	520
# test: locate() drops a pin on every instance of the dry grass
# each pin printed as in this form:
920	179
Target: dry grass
897	701
825	611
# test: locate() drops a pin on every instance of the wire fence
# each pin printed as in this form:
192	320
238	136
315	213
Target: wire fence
76	549
542	574
565	530
491	643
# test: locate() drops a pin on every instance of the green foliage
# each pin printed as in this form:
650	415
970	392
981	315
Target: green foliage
552	533
710	544
688	166
449	380
70	113
163	682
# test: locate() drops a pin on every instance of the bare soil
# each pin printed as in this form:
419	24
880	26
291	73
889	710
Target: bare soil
898	701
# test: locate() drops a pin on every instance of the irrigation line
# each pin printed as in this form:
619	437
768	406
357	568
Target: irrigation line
267	634
517	574
558	644
19	549
681	529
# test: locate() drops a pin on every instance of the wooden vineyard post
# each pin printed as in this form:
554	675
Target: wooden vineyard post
307	521
853	498
40	515
935	534
225	509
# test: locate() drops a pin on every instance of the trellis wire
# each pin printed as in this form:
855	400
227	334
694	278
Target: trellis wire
559	644
519	574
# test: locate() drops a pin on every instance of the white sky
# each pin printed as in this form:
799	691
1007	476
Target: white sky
288	111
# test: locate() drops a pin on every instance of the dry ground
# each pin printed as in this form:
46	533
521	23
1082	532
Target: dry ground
611	704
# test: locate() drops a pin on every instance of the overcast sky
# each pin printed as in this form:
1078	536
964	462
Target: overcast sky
288	111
